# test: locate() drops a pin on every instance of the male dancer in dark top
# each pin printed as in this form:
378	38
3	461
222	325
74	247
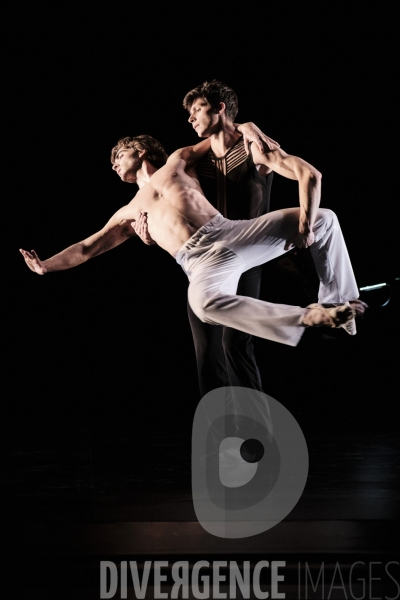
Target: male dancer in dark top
235	186
239	189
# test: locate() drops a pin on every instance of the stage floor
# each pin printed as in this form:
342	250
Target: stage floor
90	488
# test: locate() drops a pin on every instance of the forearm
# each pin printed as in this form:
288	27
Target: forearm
309	196
89	248
66	259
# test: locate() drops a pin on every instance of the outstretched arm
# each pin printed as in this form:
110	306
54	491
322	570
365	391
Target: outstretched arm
117	230
309	179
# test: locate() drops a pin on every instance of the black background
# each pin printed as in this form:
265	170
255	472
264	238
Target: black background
107	347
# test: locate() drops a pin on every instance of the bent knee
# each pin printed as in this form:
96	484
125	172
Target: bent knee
328	216
203	307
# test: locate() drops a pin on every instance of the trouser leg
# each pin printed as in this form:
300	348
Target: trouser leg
332	261
213	298
225	356
239	246
238	346
210	357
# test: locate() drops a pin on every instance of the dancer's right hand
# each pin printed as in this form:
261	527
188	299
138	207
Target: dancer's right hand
300	240
33	262
141	229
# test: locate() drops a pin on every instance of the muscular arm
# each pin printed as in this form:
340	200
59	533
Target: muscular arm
250	132
309	179
191	154
117	230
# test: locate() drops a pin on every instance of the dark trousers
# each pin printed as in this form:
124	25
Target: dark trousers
225	356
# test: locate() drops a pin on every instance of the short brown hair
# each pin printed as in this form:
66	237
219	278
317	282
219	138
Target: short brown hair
156	154
214	92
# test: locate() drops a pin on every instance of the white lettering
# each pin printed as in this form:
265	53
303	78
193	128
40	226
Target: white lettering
371	579
275	578
124	579
393	562
108	565
236	579
180	580
217	578
341	585
359	562
256	580
204	579
321	572
158	578
140	590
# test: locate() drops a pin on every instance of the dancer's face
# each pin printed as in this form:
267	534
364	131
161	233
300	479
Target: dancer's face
203	118
127	163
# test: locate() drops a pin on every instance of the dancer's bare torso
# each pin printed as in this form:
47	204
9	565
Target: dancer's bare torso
175	205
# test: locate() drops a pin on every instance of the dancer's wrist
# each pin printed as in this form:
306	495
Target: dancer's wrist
304	227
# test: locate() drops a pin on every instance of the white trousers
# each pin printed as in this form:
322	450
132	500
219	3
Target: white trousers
221	250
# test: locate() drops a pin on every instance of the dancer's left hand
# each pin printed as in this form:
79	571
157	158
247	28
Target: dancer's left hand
252	133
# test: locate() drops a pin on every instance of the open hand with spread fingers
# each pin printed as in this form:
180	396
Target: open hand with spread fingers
33	261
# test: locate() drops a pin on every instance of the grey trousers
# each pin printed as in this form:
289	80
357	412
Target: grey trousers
221	250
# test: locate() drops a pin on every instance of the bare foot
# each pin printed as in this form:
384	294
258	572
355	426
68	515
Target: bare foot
336	316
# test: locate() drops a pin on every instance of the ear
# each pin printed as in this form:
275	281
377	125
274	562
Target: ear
222	108
141	153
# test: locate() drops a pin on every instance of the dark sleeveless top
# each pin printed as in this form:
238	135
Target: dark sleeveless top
233	185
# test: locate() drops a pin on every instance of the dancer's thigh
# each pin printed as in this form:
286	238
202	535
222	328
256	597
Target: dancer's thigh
218	272
262	239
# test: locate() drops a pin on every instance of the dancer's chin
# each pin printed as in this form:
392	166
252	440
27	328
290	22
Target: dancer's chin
128	178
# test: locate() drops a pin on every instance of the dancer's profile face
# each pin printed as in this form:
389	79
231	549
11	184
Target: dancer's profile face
127	163
203	118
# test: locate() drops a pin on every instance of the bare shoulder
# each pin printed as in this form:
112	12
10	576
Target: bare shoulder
180	154
191	154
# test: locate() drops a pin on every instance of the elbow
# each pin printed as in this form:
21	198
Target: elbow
313	177
317	175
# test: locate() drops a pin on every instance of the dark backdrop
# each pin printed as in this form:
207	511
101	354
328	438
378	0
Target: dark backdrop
107	346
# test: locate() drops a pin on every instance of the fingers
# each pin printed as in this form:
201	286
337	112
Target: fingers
33	262
359	306
246	145
141	227
260	145
26	254
360	303
271	143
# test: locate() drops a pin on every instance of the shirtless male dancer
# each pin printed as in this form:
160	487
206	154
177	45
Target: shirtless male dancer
214	251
